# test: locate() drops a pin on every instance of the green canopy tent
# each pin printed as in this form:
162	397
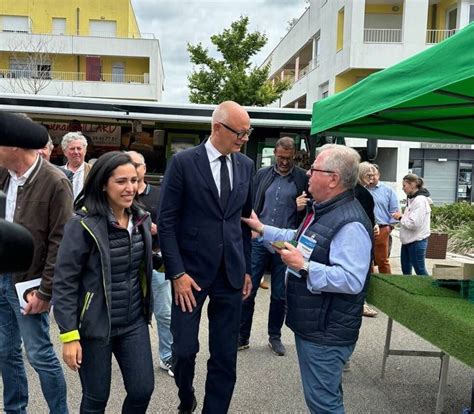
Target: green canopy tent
428	97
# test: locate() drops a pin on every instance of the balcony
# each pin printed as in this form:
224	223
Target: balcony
108	85
436	36
71	76
382	35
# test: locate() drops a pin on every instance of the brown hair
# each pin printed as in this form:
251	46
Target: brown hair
413	178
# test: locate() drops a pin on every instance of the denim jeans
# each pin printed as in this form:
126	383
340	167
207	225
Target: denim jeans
161	290
34	330
321	369
413	256
276	315
132	350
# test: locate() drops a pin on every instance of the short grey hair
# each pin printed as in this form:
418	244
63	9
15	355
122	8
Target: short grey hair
140	156
73	136
364	168
343	160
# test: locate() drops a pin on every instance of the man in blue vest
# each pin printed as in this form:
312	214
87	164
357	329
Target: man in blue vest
327	275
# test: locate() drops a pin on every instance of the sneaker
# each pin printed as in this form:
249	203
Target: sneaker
243	344
264	284
166	366
369	312
276	346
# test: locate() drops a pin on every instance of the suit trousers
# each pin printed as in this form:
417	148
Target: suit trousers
223	311
381	243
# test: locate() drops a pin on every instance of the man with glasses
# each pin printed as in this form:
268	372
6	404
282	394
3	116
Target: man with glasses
328	275
280	200
206	251
386	203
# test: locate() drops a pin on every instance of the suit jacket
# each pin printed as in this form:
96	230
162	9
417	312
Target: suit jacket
195	233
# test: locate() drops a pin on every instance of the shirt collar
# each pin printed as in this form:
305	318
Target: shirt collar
287	175
81	168
213	153
27	173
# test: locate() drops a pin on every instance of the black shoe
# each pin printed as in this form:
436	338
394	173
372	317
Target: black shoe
276	346
243	344
188	410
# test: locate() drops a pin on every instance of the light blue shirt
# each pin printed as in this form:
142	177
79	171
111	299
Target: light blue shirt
386	203
349	259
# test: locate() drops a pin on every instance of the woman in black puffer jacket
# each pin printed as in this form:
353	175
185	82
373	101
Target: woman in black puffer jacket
102	287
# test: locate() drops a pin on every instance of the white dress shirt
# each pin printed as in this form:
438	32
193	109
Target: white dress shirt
213	154
12	191
77	179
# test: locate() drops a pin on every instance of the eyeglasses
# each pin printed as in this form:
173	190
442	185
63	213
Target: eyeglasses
285	159
369	175
240	134
312	170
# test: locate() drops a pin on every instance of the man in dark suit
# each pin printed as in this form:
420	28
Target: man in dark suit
206	252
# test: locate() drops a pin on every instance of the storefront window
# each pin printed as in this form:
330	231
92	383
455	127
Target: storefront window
416	167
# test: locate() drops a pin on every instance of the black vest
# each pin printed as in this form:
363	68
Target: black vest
126	255
328	318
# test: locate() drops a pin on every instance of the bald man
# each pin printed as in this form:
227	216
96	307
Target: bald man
206	252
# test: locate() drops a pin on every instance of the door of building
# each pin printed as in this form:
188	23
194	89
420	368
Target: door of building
440	179
93	68
118	72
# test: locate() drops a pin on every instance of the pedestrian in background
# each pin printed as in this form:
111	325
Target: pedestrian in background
414	225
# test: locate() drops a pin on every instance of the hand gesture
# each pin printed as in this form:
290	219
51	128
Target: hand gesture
301	201
253	222
183	292
291	256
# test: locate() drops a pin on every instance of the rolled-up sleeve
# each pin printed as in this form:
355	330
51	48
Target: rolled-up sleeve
349	262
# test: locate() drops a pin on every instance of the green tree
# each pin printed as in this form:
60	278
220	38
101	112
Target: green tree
233	77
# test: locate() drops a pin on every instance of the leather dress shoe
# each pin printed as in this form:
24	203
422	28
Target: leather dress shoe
189	410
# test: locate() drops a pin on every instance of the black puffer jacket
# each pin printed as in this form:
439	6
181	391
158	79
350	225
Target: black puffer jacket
82	292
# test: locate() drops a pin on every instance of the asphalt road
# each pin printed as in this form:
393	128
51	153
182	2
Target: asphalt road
271	384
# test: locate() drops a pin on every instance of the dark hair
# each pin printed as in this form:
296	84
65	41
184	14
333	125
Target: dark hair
413	178
93	196
286	143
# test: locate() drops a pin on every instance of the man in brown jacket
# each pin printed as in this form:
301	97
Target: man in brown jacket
39	197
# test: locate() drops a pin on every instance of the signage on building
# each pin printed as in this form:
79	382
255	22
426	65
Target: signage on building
100	135
429	145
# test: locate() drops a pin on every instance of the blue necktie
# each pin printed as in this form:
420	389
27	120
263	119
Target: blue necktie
225	182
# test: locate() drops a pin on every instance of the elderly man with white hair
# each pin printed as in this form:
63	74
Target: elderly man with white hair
74	146
328	275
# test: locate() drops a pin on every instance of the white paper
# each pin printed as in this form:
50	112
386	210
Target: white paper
23	288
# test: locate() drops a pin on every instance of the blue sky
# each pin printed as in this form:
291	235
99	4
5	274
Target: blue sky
177	22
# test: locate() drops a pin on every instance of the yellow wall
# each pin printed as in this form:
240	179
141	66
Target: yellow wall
340	30
42	13
443	6
383	9
349	78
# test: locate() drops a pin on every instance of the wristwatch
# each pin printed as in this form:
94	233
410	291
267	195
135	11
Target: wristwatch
304	271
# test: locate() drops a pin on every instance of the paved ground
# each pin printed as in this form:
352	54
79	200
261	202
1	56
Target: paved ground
271	384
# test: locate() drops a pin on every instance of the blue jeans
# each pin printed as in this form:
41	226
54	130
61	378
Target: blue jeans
34	330
161	290
321	369
413	255
132	351
276	315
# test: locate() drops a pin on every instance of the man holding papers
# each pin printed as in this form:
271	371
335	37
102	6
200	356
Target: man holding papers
328	274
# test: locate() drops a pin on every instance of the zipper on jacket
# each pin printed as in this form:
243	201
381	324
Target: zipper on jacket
85	307
103	276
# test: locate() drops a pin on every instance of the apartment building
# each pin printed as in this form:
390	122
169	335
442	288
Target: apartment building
78	48
336	43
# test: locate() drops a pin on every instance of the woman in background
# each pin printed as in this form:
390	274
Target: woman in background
102	286
414	225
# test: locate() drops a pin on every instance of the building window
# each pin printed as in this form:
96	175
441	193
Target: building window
59	26
103	28
451	19
340	30
416	167
471	13
16	24
324	90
